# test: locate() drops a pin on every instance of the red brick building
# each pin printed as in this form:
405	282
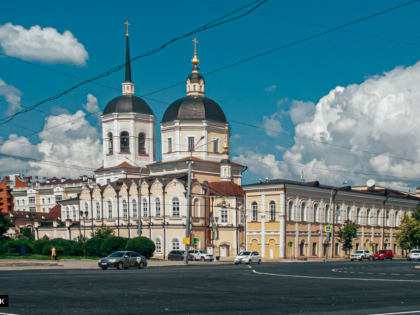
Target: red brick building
6	186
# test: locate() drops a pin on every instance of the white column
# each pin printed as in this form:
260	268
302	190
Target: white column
151	142
282	224
68	233
363	237
115	141
262	226
177	139
132	141
205	141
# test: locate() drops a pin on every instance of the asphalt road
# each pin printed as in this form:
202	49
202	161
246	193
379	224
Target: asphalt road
286	288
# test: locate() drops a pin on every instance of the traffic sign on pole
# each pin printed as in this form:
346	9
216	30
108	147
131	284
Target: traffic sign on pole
328	228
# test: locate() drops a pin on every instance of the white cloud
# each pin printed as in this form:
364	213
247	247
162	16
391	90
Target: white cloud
280	148
272	125
41	44
12	96
301	111
379	115
270	88
92	104
236	136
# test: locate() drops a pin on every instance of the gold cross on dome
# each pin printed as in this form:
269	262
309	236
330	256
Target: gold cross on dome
128	24
195	45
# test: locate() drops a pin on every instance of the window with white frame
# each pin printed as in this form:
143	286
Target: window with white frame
31	199
175	207
43	200
158	245
67	213
190	143
379	221
125	209
157	207
74	214
370	216
327	214
338	214
134	207
242	213
145	210
169	143
98	210
303	211
223	215
316	213
272	206
175	244
359	216
254	211
86	210
216	145
290	211
109	209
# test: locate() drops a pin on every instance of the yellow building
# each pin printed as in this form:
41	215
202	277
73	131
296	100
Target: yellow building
287	219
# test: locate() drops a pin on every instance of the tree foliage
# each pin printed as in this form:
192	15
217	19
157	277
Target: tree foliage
409	234
346	235
5	224
142	245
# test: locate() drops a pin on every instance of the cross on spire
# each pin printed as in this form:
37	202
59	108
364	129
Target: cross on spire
195	60
127	24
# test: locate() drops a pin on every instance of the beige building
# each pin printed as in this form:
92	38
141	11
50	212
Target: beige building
287	219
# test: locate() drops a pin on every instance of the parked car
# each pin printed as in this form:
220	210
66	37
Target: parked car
248	257
123	260
360	255
176	255
383	254
414	255
202	255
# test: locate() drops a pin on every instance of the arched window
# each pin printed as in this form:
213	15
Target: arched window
349	214
98	210
124	142
223	215
254	211
86	214
290	211
158	245
109	209
134	207
388	218
175	244
303	211
272	206
157	207
110	143
125	209
145	212
399	218
370	217
379	217
327	214
175	207
338	214
316	213
196	208
142	143
74	214
359	216
67	213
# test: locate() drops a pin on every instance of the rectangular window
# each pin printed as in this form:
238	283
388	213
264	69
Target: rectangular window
216	145
58	198
336	249
31	199
190	143
32	209
357	246
314	249
169	145
224	215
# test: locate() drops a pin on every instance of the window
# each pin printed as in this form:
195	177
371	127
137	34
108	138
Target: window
370	217
17	202
32	209
145	212
313	249
74	214
142	143
58	198
316	213
175	207
31	199
290	210
43	200
67	213
349	214
338	214
254	211
49	200
242	212
134	206
388	219
110	144
216	145
303	212
272	211
327	214
86	209
169	145
124	142
125	209
379	221
157	207
359	217
175	244
109	209
190	143
98	211
158	245
223	215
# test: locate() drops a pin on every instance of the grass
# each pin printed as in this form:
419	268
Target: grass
43	257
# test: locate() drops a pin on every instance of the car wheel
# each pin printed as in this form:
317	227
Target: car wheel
141	265
259	262
103	268
202	259
120	266
249	262
351	259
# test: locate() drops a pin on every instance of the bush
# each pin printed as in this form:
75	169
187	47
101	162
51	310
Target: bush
46	250
39	245
93	247
12	246
113	244
142	245
1	248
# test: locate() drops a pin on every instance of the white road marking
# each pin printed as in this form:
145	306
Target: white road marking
408	312
8	314
333	278
395	274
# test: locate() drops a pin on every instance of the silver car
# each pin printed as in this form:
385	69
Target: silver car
361	254
414	255
248	257
123	260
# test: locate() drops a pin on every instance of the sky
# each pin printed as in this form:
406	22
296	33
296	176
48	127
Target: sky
341	108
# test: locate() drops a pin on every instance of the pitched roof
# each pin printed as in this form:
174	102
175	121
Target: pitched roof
225	189
122	165
54	213
192	159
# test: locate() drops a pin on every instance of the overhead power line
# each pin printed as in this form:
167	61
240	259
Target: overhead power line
250	7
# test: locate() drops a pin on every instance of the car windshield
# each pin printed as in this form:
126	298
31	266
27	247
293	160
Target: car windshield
382	251
244	253
359	252
415	251
116	254
203	252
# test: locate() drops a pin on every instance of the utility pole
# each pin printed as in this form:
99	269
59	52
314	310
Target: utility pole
188	220
214	236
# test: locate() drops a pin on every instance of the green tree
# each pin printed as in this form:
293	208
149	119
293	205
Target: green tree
5	224
409	234
142	245
27	233
346	235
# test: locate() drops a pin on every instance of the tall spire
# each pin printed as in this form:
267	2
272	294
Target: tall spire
195	81
127	86
195	60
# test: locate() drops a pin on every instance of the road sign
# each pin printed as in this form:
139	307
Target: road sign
195	241
186	241
328	229
290	244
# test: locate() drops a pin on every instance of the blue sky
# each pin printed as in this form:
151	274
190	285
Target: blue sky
249	92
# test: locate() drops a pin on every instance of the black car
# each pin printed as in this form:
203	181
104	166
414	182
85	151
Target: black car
176	255
123	260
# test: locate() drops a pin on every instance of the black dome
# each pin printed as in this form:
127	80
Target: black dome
195	77
194	108
128	104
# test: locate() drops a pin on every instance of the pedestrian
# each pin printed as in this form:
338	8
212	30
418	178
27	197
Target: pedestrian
53	253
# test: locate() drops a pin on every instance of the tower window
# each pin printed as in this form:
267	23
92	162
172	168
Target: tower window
190	143
142	147
169	145
110	145
216	145
124	142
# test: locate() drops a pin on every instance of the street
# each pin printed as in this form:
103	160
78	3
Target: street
282	288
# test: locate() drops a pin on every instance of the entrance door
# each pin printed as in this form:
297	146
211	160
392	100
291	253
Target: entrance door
271	253
302	249
223	251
